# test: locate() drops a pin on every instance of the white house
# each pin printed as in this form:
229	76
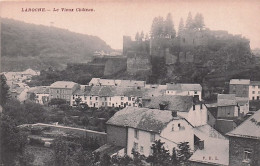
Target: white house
109	96
254	90
41	94
142	126
194	90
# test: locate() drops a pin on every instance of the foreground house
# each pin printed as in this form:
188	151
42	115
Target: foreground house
138	128
194	90
244	146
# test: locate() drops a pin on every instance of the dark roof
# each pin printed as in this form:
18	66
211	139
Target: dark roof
250	128
184	87
142	118
101	91
255	83
175	103
108	149
226	100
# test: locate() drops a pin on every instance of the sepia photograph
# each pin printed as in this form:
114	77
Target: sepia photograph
130	83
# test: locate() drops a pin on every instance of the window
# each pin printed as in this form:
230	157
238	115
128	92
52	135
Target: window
253	92
90	103
135	146
195	92
200	106
136	134
122	103
96	98
129	98
90	98
122	98
253	86
105	99
172	127
152	137
194	107
57	91
247	155
258	92
133	99
179	125
253	98
141	149
110	98
102	103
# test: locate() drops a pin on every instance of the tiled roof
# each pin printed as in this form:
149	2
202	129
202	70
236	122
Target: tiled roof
40	90
142	118
84	90
215	152
242	100
250	128
176	87
63	84
226	100
184	87
177	103
108	149
240	81
102	91
132	83
256	83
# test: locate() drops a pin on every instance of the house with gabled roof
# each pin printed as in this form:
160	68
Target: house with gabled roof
137	128
244	142
194	90
41	94
63	90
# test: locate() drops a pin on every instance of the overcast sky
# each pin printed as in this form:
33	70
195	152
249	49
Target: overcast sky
113	19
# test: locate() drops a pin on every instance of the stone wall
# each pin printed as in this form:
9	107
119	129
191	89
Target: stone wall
237	146
117	135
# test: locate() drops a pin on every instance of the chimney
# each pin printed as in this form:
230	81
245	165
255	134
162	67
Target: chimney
201	145
174	114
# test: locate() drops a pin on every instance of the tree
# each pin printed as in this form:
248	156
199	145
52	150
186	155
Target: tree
157	27
12	141
57	101
199	21
32	96
146	37
78	100
174	160
137	158
183	152
105	160
169	31
181	27
137	36
189	21
160	156
4	91
142	36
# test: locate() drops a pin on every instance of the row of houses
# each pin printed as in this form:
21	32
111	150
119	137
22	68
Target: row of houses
245	88
108	94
